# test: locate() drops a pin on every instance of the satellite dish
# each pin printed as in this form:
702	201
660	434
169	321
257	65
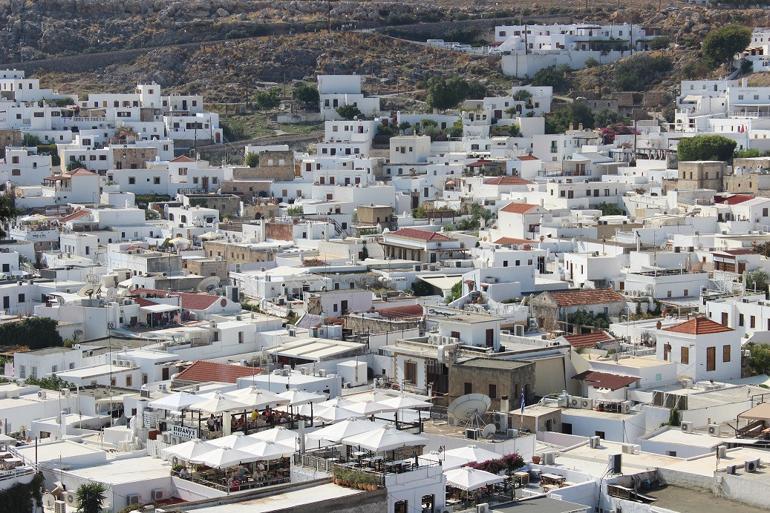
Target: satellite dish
208	284
49	501
468	408
489	431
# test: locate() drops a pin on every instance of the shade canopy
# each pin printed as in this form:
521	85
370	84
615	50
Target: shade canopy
447	462
368	407
385	438
472	453
270	451
257	398
299	397
235	441
223	457
218	404
177	401
468	479
188	450
336	432
278	435
401	402
335	414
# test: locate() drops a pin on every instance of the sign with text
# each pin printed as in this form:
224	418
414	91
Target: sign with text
184	432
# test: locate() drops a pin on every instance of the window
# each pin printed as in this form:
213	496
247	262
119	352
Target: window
492	391
726	353
740	319
22	298
129	380
468	388
752	321
455	334
684	356
410	372
400	506
600	434
240	337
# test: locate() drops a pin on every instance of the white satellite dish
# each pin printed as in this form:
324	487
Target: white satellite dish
467	409
489	431
49	501
208	284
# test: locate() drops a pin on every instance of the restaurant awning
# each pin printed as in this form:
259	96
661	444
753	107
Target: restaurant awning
468	479
386	438
159	308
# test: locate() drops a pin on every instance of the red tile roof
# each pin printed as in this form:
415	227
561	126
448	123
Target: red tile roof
513	241
401	312
518	208
188	300
589	339
605	379
527	157
733	199
506	180
699	326
412	233
74	215
203	371
576	297
183	158
81	172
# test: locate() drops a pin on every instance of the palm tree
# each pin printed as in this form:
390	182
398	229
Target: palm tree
90	497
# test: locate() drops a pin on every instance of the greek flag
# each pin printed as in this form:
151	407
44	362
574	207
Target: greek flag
522	401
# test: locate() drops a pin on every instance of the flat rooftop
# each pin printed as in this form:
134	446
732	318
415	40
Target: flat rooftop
493	363
684	499
281	501
677	436
124	471
540	505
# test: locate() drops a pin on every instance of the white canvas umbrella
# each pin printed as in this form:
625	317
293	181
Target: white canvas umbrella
256	398
385	438
447	462
218	404
177	401
402	402
223	457
188	450
299	397
335	414
277	435
473	454
235	441
368	407
269	451
336	432
468	479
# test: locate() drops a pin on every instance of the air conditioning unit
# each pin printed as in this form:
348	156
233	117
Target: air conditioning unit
574	402
714	429
586	404
71	499
132	499
625	407
322	373
482	508
687	427
549	458
65	392
731	469
59	507
167	438
721	451
627	448
157	494
512	432
472	434
751	466
41	394
595	442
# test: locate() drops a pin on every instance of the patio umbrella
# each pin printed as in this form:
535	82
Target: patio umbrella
188	450
335	414
402	402
472	453
177	401
299	397
336	432
277	435
235	441
218	404
257	398
447	462
223	457
269	451
367	408
468	479
385	438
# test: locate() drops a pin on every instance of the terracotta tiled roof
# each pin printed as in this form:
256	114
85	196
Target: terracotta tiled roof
203	371
576	297
518	208
527	157
506	180
733	199
183	158
74	215
191	301
401	312
699	326
589	339
513	241
412	233
81	172
605	379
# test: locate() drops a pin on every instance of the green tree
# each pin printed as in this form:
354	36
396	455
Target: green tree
705	147
639	71
90	497
49	383
267	100
610	209
607	117
31	140
33	332
586	318
759	358
574	114
557	77
251	159
421	288
673	418
721	44
349	112
456	130
522	95
591	62
75	164
307	95
456	292
750	153
757	280
8	211
660	43
446	93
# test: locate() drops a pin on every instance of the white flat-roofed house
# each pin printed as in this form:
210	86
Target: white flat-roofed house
340	90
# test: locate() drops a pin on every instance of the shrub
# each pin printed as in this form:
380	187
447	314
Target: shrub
307	95
349	112
706	147
639	71
554	76
447	93
33	332
721	44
